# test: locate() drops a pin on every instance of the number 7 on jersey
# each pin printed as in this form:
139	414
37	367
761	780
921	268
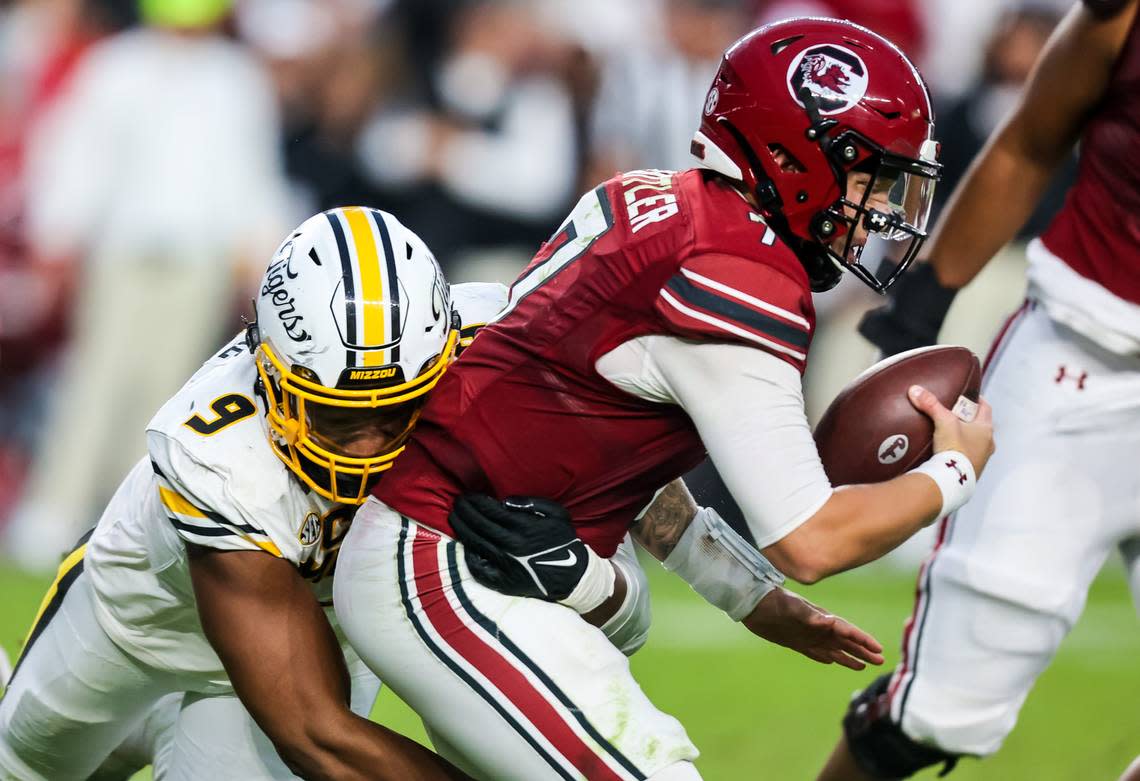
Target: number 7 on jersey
591	218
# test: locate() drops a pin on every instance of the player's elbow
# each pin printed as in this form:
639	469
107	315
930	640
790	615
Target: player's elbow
808	570
314	751
307	759
305	762
802	556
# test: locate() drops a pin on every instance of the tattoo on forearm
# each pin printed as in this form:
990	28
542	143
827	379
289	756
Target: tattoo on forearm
661	527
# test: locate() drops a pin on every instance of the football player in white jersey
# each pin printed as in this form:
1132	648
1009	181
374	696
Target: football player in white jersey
262	457
193	585
212	562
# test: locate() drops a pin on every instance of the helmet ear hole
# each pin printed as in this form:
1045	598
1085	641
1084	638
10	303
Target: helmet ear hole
787	162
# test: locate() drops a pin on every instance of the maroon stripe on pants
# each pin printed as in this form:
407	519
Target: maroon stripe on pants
492	664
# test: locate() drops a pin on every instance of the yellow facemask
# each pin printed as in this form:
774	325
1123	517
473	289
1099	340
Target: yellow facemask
335	476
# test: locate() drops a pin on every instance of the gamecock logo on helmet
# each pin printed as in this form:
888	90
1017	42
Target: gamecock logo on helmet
836	77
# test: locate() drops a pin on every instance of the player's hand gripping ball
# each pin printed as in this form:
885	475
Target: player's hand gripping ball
872	432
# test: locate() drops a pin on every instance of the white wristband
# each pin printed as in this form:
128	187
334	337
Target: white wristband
954	475
595	587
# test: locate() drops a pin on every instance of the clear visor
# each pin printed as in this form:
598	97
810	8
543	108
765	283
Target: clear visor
906	203
886	212
894	221
888	205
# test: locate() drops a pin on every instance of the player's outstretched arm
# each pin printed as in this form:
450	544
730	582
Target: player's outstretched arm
860	523
527	547
284	662
747	405
730	574
1009	176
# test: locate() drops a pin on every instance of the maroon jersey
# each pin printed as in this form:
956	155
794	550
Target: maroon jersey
525	411
1097	231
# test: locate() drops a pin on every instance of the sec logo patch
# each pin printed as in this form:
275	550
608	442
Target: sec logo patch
311	529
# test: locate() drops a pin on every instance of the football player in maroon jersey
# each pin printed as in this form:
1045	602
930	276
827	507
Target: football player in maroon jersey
1009	574
669	315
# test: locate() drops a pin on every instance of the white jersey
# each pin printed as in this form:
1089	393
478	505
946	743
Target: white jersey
212	479
1081	304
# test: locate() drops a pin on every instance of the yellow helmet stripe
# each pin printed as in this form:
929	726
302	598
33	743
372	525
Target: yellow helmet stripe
371	292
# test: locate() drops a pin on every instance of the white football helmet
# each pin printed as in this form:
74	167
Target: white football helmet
353	327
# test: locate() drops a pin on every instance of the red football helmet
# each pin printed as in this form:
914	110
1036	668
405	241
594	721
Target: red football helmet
799	104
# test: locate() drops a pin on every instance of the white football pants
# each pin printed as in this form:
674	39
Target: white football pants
515	689
1010	571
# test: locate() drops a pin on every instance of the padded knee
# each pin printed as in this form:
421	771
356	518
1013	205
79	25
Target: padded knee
878	744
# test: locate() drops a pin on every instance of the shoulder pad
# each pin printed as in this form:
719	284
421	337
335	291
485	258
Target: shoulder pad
197	500
219	482
477	303
728	298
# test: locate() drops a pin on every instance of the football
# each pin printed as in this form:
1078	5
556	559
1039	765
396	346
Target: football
871	432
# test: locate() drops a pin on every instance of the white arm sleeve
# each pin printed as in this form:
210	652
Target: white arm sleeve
748	407
628	628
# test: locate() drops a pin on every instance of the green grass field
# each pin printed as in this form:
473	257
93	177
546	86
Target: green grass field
759	712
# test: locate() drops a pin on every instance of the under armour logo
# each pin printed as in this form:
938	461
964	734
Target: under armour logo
953	464
1063	373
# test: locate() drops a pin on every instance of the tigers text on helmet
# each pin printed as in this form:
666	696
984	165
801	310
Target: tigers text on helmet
798	106
354	327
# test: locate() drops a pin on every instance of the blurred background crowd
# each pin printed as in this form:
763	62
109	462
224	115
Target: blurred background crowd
154	152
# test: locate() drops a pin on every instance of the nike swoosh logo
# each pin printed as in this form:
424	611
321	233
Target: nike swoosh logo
570	560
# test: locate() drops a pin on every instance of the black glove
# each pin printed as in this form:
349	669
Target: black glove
521	546
916	306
